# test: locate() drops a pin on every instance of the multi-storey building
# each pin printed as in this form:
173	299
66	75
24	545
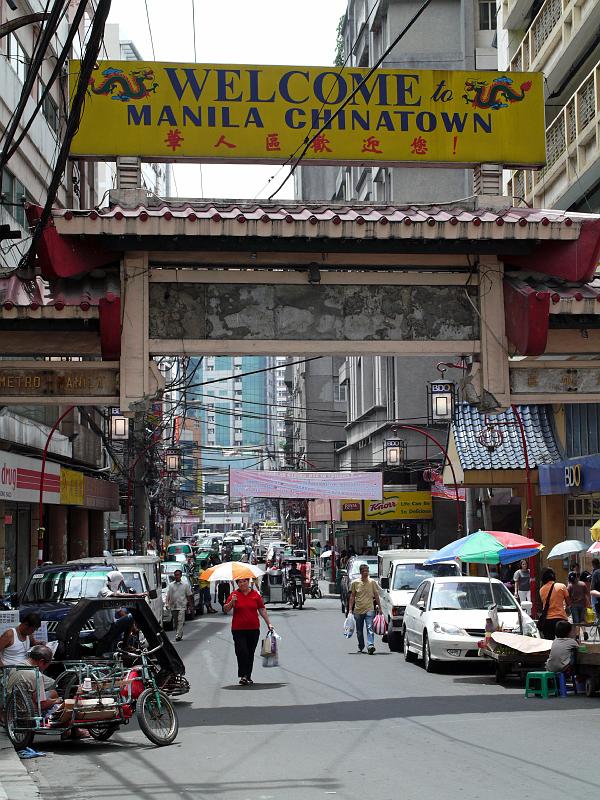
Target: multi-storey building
561	39
76	494
235	404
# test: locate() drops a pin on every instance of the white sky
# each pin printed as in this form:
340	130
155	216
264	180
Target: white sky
232	32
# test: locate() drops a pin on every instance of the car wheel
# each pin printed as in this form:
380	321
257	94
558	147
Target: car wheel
408	653
428	662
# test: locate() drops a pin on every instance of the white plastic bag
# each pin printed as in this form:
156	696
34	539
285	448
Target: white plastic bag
272	659
349	626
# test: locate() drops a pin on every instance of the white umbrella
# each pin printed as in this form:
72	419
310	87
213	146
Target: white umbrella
594	549
326	554
567	548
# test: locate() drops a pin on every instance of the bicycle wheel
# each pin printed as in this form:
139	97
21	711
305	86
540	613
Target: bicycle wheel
67	683
20	718
102	733
158	722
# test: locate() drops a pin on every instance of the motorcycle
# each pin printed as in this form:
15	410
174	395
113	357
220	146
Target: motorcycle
295	591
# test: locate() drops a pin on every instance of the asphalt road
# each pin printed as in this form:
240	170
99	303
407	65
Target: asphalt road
331	722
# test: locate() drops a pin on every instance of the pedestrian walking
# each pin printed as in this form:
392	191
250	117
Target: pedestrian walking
579	601
522	579
595	586
555	601
205	589
364	599
179	597
247	604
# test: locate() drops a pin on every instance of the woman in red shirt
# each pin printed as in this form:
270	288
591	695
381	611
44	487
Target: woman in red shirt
247	604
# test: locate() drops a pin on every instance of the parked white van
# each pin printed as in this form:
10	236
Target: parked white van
399	573
141	573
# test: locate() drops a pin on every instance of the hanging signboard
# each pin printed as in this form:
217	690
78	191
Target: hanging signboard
20	478
400	505
263	114
329	485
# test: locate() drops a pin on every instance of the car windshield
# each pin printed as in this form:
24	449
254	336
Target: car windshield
355	568
409	576
205	542
471	596
133	580
59	585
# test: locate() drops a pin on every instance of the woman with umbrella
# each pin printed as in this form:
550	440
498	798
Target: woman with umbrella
247	604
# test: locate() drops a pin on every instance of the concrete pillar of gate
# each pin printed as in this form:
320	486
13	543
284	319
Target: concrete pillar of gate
56	550
552	529
97	544
494	353
79	533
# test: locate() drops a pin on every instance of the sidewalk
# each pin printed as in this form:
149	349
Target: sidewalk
15	781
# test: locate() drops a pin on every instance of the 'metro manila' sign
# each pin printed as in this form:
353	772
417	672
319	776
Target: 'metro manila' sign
263	114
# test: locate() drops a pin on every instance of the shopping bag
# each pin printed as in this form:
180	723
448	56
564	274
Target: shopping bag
379	625
349	626
266	646
590	616
271	661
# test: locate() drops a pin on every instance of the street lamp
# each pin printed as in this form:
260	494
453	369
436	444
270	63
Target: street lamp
119	426
173	460
440	402
395	452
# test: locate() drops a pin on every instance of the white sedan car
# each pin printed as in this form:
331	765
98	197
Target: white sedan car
446	618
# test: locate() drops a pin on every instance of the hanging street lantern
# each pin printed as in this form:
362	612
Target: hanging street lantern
119	426
172	460
441	397
395	452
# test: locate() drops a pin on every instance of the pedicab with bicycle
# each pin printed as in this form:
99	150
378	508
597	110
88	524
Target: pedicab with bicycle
101	694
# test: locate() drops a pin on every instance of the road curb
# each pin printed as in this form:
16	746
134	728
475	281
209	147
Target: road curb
15	781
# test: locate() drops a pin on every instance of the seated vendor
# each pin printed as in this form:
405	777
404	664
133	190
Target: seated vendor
564	648
40	686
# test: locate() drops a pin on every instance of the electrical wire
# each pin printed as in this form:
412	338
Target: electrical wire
343	66
62	58
150	30
88	63
352	95
254	372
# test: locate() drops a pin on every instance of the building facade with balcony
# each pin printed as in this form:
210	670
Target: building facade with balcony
560	38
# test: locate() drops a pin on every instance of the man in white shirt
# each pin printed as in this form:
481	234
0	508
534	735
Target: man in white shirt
179	597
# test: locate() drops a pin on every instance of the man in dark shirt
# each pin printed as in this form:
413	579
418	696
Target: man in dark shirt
595	585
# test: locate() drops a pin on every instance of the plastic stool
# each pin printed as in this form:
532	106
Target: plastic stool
541	684
562	684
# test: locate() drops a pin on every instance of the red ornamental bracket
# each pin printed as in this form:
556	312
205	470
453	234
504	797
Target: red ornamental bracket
527	317
65	257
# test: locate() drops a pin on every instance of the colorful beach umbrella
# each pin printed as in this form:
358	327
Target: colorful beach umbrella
488	547
594	549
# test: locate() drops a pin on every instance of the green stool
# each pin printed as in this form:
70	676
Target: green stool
541	684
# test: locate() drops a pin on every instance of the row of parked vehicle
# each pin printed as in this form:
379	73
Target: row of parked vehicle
434	612
53	589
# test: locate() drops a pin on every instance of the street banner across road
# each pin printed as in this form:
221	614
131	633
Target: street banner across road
310	485
264	114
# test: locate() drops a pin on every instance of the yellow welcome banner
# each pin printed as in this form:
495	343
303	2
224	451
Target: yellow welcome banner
263	114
